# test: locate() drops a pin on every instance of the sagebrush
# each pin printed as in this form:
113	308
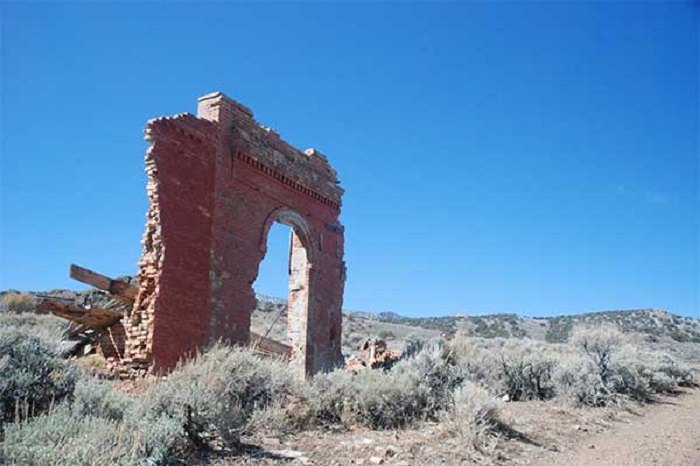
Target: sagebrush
57	415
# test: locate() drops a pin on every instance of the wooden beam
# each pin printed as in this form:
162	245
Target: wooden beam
116	287
95	318
267	345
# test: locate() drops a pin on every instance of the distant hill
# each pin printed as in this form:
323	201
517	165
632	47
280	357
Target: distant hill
651	322
269	318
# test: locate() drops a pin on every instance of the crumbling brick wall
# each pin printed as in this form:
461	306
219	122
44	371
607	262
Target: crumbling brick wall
216	183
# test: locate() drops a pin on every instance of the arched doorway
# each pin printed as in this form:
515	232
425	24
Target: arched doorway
298	292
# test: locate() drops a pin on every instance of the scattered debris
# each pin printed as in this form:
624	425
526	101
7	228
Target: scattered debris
269	346
98	324
373	354
95	318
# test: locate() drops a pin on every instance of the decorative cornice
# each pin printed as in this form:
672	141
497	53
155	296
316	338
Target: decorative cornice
284	179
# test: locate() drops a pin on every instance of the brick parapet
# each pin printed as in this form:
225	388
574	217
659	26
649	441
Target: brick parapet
310	168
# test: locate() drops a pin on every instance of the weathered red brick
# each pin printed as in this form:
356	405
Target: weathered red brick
216	183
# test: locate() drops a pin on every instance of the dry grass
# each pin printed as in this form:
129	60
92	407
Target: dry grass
17	302
473	414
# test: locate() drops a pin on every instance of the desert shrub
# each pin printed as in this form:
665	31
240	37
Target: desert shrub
386	335
559	329
97	398
640	373
519	369
413	346
598	344
217	393
416	388
437	374
679	371
478	359
526	370
33	376
578	379
62	439
324	398
472	415
176	418
607	367
49	329
17	302
274	418
383	400
94	363
68	438
373	398
587	375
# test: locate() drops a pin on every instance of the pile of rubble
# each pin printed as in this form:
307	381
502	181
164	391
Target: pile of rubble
97	319
373	354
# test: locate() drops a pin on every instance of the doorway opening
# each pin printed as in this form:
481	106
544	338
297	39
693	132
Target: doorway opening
272	286
282	309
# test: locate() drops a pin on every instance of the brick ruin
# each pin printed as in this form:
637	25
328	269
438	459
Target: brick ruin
216	183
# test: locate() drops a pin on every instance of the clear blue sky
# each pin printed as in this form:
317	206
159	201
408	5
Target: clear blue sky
538	158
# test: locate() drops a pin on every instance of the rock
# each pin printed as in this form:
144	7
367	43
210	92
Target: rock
289	454
376	460
390	452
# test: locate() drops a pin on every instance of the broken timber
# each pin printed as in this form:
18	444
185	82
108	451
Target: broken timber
269	346
113	286
101	319
96	318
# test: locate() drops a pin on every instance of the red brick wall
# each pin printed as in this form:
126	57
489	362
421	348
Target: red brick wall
216	183
170	316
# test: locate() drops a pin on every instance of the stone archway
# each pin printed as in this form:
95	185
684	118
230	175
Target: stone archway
216	182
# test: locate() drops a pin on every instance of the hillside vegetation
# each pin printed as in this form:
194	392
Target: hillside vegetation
659	328
270	318
652	322
451	382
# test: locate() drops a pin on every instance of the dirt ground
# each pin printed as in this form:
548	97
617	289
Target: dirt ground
666	433
541	433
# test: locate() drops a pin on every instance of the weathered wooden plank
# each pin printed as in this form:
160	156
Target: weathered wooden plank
267	345
96	318
116	287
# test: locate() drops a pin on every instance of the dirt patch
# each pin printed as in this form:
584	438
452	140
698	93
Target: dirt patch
665	433
539	433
